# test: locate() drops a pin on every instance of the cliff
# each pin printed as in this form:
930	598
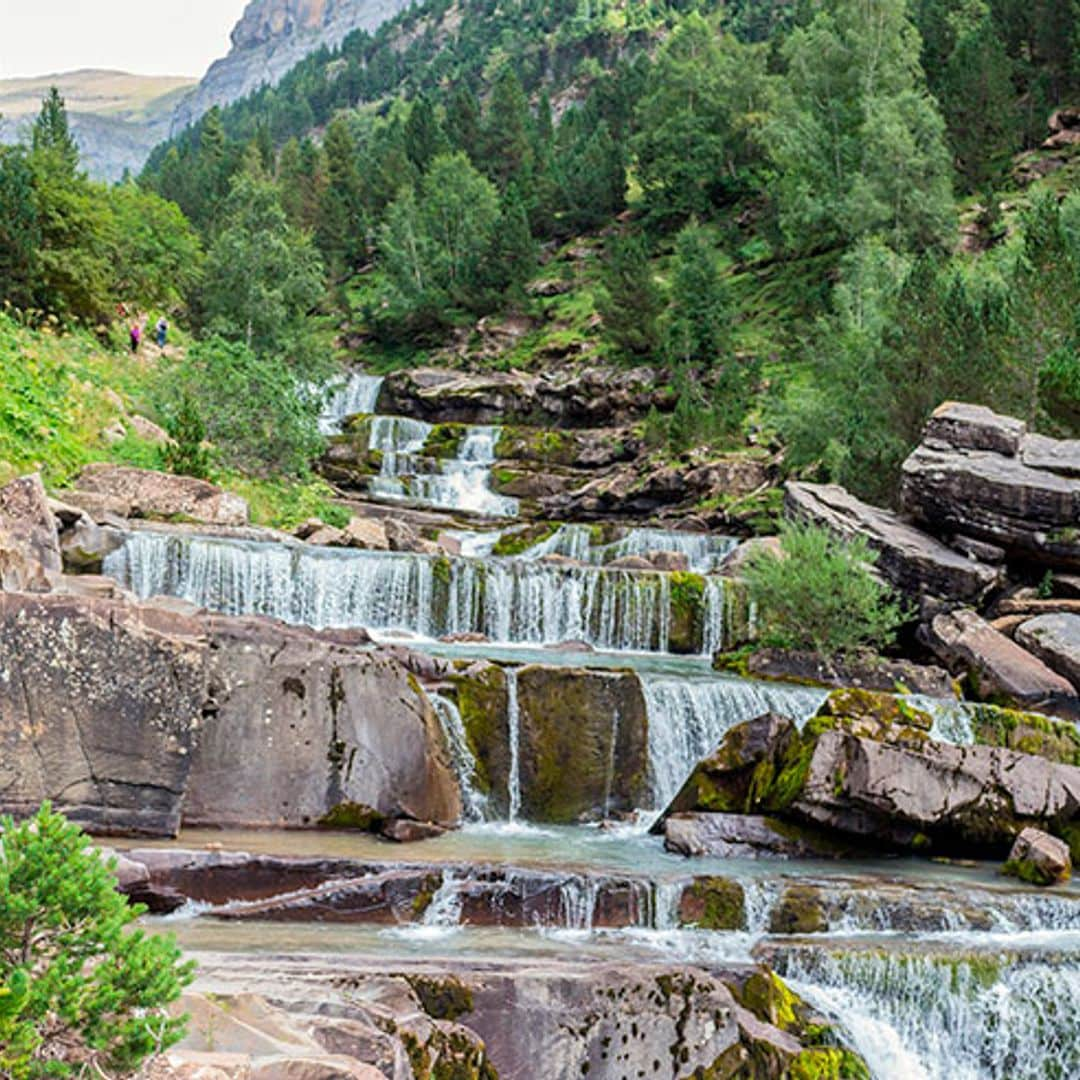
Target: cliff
273	36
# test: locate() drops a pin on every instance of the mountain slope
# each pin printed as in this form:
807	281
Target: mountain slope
117	118
271	38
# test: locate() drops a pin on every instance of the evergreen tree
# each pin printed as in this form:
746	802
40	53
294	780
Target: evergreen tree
20	232
858	142
341	229
630	301
463	124
698	323
424	138
512	258
507	141
591	179
51	135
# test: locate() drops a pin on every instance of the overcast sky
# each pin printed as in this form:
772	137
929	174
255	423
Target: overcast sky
148	37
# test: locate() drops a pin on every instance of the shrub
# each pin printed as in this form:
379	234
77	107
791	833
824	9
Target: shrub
821	594
81	992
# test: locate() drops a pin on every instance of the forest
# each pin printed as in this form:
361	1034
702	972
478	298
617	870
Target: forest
811	219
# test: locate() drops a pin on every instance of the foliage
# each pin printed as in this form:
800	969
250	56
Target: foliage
698	323
254	408
187	455
820	594
631	302
80	989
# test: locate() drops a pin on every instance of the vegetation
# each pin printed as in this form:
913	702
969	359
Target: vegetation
81	992
820	594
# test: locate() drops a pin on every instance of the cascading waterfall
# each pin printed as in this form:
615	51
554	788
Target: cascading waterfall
461	483
473	802
357	395
704	551
947	1017
689	717
510	601
714	617
513	725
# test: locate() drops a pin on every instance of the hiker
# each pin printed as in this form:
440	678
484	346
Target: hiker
136	336
162	331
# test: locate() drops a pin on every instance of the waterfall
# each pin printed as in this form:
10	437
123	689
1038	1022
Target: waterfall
356	395
613	746
947	1017
444	911
714	616
473	802
510	601
513	724
688	718
704	551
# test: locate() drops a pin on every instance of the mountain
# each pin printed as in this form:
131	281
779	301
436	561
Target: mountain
273	36
116	118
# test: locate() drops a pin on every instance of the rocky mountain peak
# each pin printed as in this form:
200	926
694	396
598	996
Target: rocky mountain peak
264	21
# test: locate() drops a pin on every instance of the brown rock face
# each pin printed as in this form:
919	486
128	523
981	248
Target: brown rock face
100	708
1040	858
29	544
1055	639
151	494
913	562
982	475
999	666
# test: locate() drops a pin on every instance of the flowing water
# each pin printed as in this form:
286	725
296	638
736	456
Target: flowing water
704	551
358	394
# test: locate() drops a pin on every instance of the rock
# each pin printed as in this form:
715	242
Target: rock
327	536
308	528
872	673
912	561
745	836
978	550
304	723
156	494
1055	639
668	561
403	831
465	637
1030	733
800	910
114	433
29	543
147	430
997	665
85	545
101	704
400	536
974	427
366	534
982	476
735	564
630	562
104	509
1039	859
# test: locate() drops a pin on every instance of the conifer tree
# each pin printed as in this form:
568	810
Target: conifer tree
630	301
51	136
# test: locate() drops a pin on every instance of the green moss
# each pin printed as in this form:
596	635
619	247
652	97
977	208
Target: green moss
717	904
521	540
444	441
1029	733
482	701
442	999
353	816
866	712
687	592
768	997
1027	870
422	900
800	911
736	661
828	1063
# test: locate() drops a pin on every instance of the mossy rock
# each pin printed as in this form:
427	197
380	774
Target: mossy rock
687	627
518	541
771	1000
1028	871
828	1063
444	441
714	903
481	697
355	817
872	714
1028	733
442	999
799	911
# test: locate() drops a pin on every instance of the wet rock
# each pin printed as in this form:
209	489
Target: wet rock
101	704
979	474
668	561
713	903
327	536
403	831
29	544
84	545
156	494
1029	733
367	534
914	562
745	836
1055	639
1039	859
996	665
873	673
630	562
800	910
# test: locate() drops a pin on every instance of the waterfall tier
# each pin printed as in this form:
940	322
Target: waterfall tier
358	394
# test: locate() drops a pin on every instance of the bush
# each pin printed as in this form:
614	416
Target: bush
81	992
821	594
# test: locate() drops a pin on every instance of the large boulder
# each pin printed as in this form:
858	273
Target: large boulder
746	836
305	723
1055	639
156	494
1039	859
29	542
872	673
101	704
998	666
981	475
914	562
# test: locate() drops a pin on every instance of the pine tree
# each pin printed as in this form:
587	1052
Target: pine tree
341	231
698	323
507	140
51	136
463	124
630	301
20	232
424	138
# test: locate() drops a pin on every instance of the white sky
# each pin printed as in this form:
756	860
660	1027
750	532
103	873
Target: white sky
147	37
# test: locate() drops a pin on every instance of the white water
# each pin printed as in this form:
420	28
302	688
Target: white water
357	395
510	601
460	483
473	802
704	551
513	729
688	718
930	1018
